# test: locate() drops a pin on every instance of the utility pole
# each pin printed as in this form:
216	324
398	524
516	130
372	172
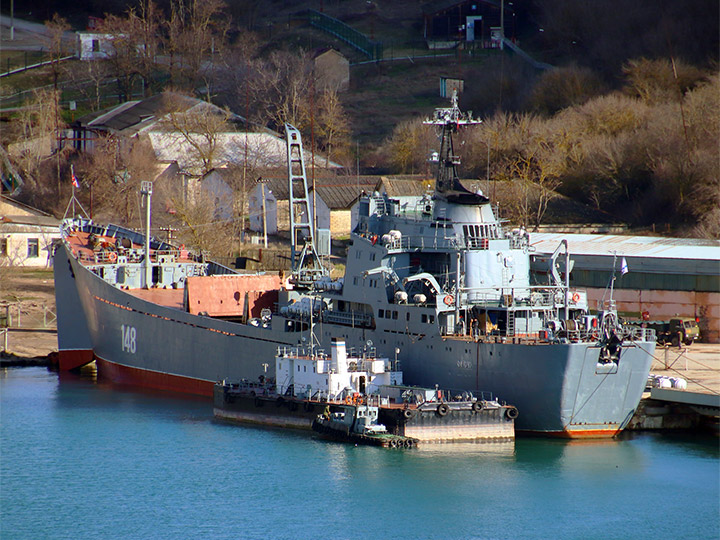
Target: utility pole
262	181
146	191
502	24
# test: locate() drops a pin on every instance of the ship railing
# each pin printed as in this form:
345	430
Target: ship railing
477	243
638	333
531	295
406	243
287	351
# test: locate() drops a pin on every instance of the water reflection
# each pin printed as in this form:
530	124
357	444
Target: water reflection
589	456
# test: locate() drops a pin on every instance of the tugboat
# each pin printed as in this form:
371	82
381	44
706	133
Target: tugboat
359	424
307	382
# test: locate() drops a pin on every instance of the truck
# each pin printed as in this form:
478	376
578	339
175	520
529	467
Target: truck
675	331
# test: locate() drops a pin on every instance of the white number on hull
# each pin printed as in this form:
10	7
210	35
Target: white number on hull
463	364
128	338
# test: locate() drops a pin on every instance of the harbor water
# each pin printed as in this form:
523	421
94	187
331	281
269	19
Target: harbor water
85	460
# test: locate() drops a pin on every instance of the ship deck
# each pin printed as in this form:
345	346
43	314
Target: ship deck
105	249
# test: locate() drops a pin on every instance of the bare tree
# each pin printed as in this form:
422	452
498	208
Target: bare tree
87	79
196	31
200	127
333	125
410	146
38	124
536	172
135	43
281	91
55	30
112	174
562	87
656	81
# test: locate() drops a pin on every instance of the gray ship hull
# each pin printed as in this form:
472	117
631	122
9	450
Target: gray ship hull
74	345
559	388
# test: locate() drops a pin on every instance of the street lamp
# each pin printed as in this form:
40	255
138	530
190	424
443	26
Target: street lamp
262	181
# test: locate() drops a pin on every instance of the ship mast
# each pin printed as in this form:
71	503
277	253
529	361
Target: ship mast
448	120
146	192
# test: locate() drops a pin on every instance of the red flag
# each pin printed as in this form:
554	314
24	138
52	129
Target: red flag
75	182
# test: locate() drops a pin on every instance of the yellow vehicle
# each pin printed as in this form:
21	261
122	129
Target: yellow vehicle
677	330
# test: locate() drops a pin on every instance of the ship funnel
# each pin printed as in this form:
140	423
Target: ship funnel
339	355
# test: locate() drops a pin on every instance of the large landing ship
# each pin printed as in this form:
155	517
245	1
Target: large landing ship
442	287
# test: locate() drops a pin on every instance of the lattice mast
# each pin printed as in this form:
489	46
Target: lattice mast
448	120
306	265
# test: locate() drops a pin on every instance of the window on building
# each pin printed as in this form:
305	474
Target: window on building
33	245
96	45
395	314
3	247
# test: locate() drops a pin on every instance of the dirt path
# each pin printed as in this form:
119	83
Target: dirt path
28	297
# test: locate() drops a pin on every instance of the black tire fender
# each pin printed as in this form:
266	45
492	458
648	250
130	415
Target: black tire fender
512	413
443	409
477	406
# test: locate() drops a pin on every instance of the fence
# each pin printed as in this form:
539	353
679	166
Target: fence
354	38
20	67
27	316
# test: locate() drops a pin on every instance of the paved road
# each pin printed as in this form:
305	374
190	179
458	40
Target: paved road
29	36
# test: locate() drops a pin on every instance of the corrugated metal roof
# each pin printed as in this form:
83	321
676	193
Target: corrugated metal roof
636	246
132	113
406	185
35	221
340	192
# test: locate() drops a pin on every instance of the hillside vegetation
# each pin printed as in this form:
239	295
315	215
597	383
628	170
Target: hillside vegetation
626	122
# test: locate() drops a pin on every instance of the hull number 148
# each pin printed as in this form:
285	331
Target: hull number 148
128	338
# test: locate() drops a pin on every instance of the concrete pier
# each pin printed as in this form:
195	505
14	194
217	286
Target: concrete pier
694	408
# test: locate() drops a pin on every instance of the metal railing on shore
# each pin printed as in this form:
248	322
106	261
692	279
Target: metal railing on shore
16	315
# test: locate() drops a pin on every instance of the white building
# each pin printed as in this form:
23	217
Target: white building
94	45
26	234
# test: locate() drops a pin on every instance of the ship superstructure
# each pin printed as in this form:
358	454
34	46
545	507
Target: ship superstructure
442	287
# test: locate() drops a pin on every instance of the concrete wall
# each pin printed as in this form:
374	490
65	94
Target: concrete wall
255	210
663	304
340	222
93	46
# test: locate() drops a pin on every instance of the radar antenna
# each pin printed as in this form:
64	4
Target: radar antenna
448	120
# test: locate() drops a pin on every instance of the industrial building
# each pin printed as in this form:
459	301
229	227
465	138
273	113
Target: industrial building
665	277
